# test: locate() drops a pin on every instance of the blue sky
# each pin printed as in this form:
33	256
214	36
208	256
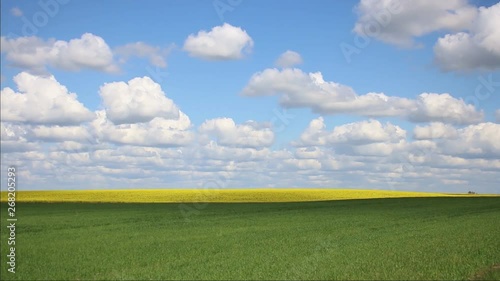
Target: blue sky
398	60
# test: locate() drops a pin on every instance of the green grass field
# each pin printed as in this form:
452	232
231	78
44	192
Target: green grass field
399	238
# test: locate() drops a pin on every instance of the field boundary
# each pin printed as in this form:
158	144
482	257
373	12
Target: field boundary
217	196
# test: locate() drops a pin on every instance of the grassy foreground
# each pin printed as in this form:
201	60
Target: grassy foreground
214	195
399	238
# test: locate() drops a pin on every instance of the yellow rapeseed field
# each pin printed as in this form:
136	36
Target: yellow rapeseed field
212	195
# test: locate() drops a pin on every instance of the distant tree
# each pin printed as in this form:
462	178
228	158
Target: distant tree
472	192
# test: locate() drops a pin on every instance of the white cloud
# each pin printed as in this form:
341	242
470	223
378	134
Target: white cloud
156	132
30	53
139	100
479	140
142	116
212	150
435	130
473	41
399	21
224	42
304	164
16	12
62	133
365	132
14	138
309	152
248	134
364	154
479	48
377	149
90	51
42	100
497	115
156	55
12	132
315	133
444	108
289	59
71	146
357	133
34	54
299	89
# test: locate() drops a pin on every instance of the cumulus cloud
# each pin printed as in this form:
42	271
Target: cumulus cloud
310	90
156	55
357	133
299	89
400	21
141	115
435	130
366	132
383	155
288	59
215	151
156	132
309	152
10	146
35	54
478	48
225	42
479	140
139	100
227	132
135	113
303	164
365	153
473	38
378	149
315	133
61	133
11	131
42	100
14	138
444	108
71	146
